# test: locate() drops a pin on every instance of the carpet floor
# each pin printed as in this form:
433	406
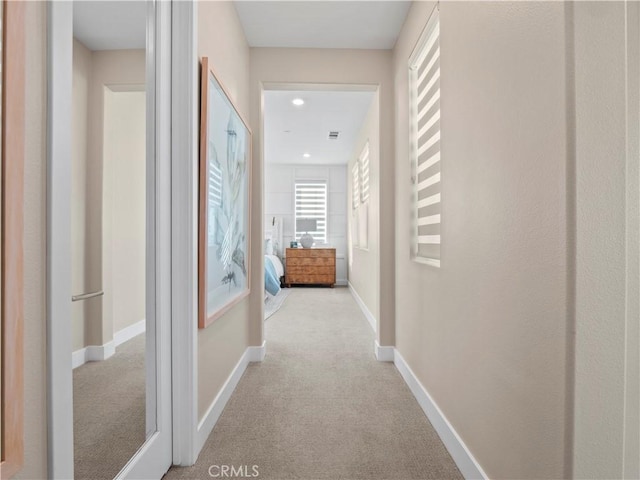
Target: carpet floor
109	411
321	407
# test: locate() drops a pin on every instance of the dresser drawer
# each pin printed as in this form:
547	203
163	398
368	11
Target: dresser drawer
302	278
295	270
310	262
311	252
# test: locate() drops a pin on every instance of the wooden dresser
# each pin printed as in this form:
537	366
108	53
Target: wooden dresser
310	266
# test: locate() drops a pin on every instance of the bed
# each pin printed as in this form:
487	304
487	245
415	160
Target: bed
273	254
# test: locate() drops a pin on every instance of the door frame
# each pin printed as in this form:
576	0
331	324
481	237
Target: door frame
157	450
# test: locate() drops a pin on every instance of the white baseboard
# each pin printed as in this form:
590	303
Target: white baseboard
384	354
129	332
257	354
368	315
205	427
97	353
342	282
79	357
465	461
93	353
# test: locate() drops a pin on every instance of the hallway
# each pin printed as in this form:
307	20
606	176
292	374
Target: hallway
321	406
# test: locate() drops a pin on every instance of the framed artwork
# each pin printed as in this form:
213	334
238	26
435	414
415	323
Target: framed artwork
224	212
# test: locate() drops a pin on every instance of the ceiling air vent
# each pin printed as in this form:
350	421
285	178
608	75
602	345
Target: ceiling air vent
333	135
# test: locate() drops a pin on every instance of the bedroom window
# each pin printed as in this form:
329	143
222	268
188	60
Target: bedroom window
311	204
360	200
424	82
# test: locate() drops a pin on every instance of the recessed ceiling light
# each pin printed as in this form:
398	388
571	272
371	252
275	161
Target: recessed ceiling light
306	155
297	102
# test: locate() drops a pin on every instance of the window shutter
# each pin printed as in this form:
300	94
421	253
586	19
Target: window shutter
424	75
355	186
311	202
364	173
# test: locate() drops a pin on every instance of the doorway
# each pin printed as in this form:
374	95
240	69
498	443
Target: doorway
321	173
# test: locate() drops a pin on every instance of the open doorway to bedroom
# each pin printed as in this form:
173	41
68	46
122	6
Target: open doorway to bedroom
319	166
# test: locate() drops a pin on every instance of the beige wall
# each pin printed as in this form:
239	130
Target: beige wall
94	320
364	265
326	66
35	339
486	333
80	97
109	68
607	398
220	346
124	208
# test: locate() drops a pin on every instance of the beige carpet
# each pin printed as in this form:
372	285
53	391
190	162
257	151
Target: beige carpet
321	407
109	411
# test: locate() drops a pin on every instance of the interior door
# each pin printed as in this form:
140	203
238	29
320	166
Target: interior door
154	455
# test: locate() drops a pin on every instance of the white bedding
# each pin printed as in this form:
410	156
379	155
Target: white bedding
277	264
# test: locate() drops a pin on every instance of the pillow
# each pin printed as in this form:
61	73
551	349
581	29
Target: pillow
268	247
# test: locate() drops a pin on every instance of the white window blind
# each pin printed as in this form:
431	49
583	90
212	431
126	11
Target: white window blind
364	173
355	186
215	185
215	198
424	78
311	203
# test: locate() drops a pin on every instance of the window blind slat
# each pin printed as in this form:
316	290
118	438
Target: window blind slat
364	173
355	186
426	183
423	91
430	123
429	220
429	239
429	162
425	72
429	105
425	202
429	143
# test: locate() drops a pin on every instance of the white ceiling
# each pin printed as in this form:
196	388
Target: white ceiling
308	126
110	25
322	24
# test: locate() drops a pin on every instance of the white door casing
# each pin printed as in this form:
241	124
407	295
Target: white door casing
154	457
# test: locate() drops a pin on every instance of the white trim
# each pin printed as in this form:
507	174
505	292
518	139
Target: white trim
468	465
153	459
257	354
183	180
342	282
384	354
93	353
367	314
79	358
59	347
129	332
210	418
